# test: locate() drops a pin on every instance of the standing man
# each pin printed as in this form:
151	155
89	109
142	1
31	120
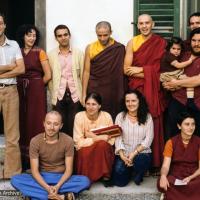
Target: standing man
51	158
103	69
11	65
65	87
193	22
181	99
142	66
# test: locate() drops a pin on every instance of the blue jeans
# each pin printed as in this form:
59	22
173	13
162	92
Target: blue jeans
122	173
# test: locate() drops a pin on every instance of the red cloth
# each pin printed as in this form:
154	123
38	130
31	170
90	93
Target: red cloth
95	161
185	162
148	56
192	70
32	100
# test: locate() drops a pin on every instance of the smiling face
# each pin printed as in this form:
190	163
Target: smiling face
187	127
194	22
132	103
30	38
145	25
92	107
52	125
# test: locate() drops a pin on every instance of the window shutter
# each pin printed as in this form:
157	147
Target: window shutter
165	13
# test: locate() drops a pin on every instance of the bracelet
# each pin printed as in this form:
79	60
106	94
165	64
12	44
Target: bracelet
136	151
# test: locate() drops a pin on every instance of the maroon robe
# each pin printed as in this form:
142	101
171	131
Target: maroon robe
95	161
185	161
148	56
107	77
32	100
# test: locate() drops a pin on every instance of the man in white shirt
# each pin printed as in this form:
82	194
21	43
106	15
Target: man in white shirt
11	65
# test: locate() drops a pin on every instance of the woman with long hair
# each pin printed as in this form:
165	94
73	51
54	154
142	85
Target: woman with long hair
133	147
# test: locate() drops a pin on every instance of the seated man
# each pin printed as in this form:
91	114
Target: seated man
51	159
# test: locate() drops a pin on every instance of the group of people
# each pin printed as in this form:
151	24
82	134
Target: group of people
132	87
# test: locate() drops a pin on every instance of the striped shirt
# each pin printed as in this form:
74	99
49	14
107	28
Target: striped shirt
9	53
133	134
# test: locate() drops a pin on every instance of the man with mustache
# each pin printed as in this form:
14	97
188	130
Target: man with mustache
193	22
181	100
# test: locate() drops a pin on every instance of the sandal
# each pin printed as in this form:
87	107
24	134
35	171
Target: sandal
69	196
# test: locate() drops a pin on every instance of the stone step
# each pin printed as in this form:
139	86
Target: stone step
146	191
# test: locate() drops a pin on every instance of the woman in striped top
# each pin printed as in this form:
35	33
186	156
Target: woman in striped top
132	148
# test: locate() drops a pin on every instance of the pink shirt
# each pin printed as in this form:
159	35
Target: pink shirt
67	81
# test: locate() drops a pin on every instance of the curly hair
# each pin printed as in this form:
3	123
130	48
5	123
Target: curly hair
143	110
24	30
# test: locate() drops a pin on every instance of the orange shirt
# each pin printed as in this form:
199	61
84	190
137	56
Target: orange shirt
168	151
43	56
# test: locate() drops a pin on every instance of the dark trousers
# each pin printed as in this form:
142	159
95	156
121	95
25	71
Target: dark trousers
174	109
122	174
68	109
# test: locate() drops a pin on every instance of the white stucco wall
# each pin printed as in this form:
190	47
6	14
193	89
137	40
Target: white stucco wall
81	16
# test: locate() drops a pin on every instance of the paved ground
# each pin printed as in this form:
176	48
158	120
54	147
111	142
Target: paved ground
146	191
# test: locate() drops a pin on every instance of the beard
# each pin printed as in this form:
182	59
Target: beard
195	53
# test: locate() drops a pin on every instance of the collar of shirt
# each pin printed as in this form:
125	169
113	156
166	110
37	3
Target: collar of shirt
70	50
6	42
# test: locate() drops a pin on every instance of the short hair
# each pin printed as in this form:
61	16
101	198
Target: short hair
3	16
55	112
184	115
143	109
193	32
24	30
145	14
104	24
196	14
61	26
174	40
95	96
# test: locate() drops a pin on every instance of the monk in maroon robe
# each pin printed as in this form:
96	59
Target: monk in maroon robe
142	65
103	69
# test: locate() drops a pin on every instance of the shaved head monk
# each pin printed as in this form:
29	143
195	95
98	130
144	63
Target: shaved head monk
103	69
142	65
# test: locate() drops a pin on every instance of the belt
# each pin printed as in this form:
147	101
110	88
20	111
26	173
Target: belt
2	85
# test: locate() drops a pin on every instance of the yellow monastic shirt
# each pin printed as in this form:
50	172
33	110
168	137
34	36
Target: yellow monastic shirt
137	41
97	47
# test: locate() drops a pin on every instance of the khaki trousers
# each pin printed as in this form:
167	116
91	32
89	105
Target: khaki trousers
9	105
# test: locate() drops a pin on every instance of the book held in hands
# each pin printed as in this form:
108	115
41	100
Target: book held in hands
112	131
